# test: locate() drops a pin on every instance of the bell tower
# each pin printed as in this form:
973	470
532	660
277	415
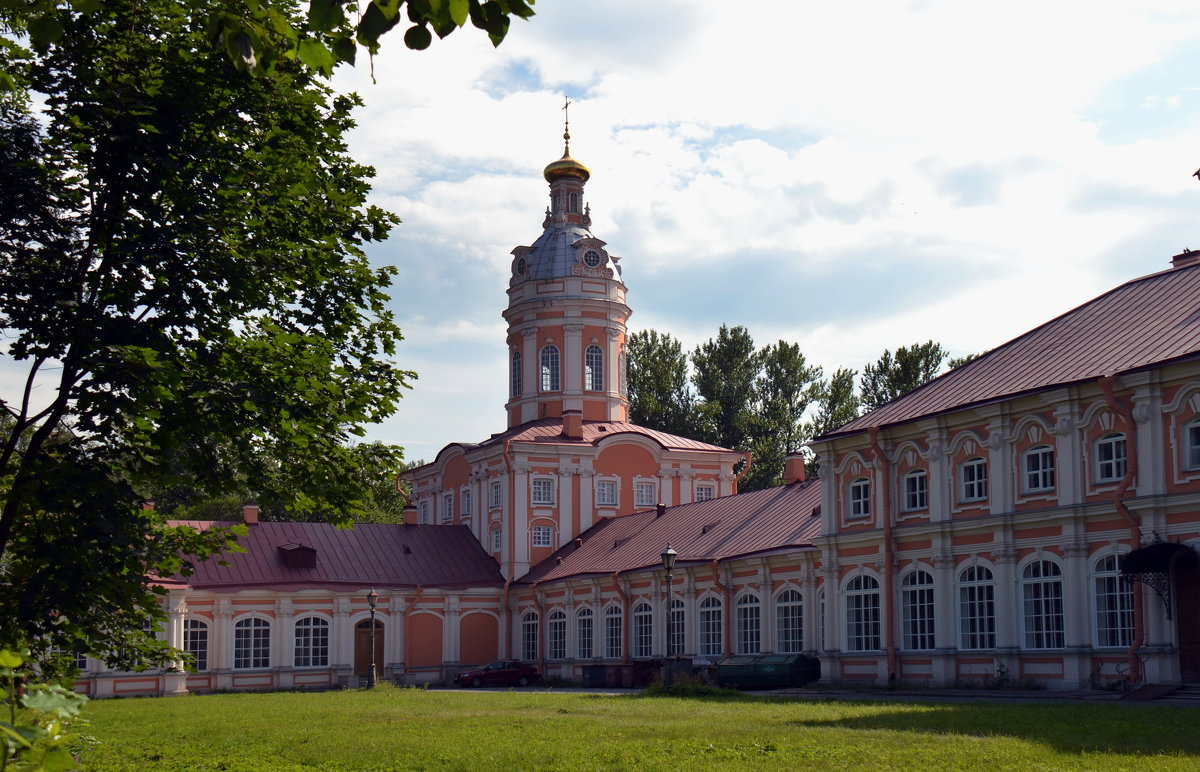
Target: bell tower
566	313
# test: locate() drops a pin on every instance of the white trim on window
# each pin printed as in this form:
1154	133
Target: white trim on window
859	499
976	608
550	380
1042	605
583	633
542	491
495	493
645	493
607	492
863	625
1038	467
916	610
916	490
593	368
789	622
543	536
973	480
556	635
1191	445
705	491
447	507
1113	599
1111	460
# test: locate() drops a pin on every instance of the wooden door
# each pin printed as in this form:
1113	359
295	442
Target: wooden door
1187	615
362	648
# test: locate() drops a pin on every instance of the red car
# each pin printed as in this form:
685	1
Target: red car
504	673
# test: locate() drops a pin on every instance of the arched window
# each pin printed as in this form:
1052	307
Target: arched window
556	635
593	368
916	605
573	203
862	614
529	636
195	642
916	490
1114	603
1042	599
860	498
515	375
1191	445
711	627
976	608
973	480
643	630
583	633
746	624
251	643
550	380
789	622
678	621
613	632
1110	458
1039	469
312	642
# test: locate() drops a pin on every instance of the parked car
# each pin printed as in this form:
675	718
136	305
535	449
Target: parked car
504	673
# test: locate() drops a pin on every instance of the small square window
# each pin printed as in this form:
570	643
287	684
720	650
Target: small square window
542	536
860	498
606	493
704	492
543	491
644	495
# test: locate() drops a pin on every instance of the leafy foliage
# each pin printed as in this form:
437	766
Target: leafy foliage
659	396
724	372
891	376
187	292
36	735
265	36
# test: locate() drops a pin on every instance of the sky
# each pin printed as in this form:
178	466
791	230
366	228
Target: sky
852	177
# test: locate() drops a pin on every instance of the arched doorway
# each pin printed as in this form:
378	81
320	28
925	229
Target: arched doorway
362	648
1172	569
1187	614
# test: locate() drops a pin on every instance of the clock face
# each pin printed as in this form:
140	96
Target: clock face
592	258
521	266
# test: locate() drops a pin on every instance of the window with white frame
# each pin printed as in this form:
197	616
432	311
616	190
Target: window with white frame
644	494
643	630
789	622
465	497
862	614
550	381
424	513
916	490
973	477
1114	603
613	632
542	536
860	498
916	607
1191	444
497	539
1110	458
747	627
606	493
705	492
495	488
583	633
543	490
976	608
251	643
712	633
447	507
593	368
312	642
678	638
1042	605
195	643
80	660
556	635
1039	469
514	387
529	636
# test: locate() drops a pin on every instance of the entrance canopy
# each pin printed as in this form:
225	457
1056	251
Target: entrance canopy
1159	558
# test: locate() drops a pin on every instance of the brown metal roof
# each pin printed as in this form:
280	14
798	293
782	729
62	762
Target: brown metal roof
369	554
787	517
1147	321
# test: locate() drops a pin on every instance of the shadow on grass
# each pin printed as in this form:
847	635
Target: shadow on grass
1066	727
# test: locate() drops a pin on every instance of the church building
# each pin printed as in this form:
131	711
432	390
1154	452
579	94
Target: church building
1031	516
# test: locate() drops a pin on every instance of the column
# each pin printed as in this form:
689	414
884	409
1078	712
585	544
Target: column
221	643
1009	610
516	538
1077	663
944	608
451	631
572	366
175	676
566	509
341	643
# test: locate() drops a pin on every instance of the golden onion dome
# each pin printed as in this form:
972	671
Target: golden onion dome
566	167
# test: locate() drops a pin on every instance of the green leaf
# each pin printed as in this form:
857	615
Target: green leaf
418	37
459	10
87	6
316	55
325	15
344	49
44	30
58	760
10	659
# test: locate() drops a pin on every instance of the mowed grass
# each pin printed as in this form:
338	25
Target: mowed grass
412	729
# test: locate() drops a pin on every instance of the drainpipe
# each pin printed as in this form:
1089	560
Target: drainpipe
726	605
506	454
541	635
1121	408
889	555
616	578
506	653
408	612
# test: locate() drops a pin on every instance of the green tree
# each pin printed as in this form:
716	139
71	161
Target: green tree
659	395
186	289
784	389
891	376
837	404
956	362
724	370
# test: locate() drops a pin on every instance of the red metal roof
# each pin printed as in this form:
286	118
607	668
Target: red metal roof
1148	321
781	518
368	554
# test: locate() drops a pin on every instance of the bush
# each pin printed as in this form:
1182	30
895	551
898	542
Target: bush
688	686
35	736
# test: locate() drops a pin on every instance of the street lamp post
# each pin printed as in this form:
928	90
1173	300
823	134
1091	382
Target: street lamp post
372	599
668	556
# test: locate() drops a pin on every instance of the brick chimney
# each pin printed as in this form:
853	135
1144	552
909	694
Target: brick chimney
793	469
250	513
410	514
572	424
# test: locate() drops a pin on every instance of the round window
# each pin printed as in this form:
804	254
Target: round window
592	258
521	265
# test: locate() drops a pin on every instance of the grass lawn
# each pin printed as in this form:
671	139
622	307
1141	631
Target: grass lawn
406	729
